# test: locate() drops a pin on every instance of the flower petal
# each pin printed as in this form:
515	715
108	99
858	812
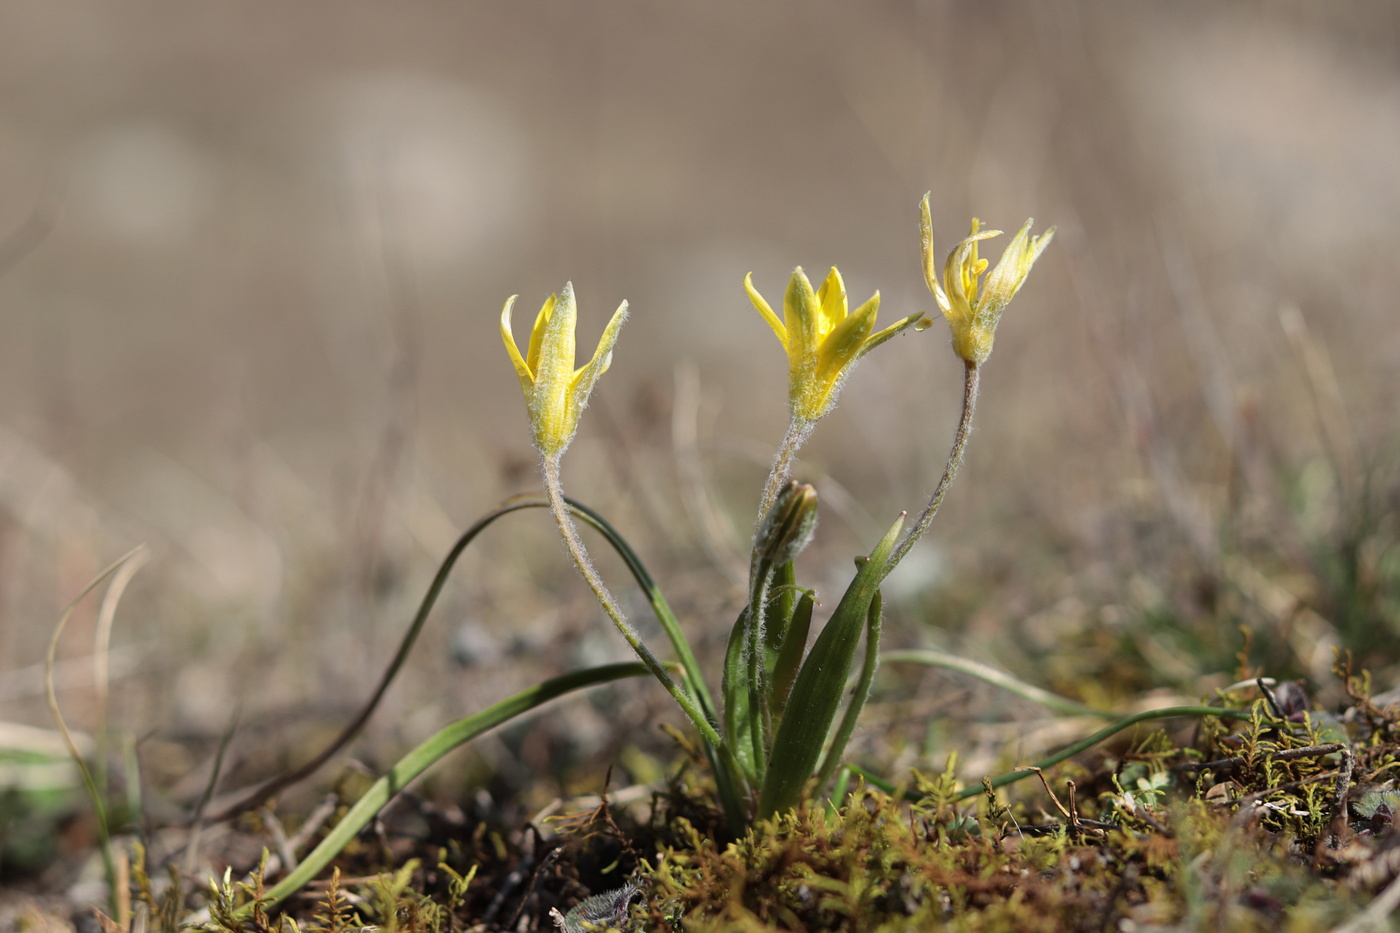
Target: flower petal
1011	270
551	407
800	315
845	343
898	327
765	310
527	378
831	302
930	261
532	356
587	377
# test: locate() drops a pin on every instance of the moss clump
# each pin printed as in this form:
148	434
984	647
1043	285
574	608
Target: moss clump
1280	823
880	866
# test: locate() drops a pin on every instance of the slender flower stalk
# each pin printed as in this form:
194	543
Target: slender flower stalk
971	378
972	307
556	394
554	490
784	532
780	474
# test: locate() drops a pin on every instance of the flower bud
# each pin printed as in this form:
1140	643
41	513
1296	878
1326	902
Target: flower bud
788	527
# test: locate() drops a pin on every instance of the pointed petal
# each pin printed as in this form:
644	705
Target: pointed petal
527	379
831	300
930	261
587	377
532	356
961	270
898	327
550	408
1011	270
844	345
765	310
800	315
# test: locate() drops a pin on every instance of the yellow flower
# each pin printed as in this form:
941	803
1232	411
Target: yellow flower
972	316
555	392
823	340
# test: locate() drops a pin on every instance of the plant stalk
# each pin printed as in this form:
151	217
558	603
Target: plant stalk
971	378
569	531
798	431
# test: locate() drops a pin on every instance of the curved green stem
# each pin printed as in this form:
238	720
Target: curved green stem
971	379
662	610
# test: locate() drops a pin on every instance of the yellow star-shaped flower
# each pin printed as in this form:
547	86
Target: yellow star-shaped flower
555	392
822	337
973	312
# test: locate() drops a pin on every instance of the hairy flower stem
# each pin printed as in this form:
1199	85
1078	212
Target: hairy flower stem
569	531
971	378
799	429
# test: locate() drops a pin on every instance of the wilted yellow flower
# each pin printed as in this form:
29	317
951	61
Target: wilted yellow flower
823	340
972	315
555	392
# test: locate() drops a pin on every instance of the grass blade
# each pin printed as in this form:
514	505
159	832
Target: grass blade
1127	722
997	678
429	752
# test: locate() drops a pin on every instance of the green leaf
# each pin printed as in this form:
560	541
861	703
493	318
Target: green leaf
873	619
816	695
428	753
781	605
790	653
740	725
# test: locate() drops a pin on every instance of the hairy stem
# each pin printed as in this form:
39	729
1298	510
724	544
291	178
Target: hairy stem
971	378
798	431
555	491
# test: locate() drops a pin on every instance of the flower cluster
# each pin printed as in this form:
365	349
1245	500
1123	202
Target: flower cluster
774	726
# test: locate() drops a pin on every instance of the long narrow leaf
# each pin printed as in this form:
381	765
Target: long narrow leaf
429	752
816	695
790	654
1127	722
694	679
834	754
279	782
997	678
739	722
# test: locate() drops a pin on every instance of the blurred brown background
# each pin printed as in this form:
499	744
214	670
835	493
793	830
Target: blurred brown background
254	256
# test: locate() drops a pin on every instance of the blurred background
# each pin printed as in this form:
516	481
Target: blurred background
252	258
